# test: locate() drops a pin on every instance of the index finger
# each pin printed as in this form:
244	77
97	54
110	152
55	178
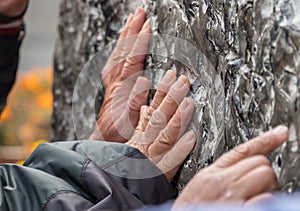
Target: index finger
261	145
176	94
115	61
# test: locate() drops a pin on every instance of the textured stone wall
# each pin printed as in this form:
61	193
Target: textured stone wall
85	27
242	57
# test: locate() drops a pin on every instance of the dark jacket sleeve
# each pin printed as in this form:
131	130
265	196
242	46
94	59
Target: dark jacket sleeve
87	175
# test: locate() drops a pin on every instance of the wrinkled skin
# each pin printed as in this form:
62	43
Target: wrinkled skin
159	134
123	100
241	174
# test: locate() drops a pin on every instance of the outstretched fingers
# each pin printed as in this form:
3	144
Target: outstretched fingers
157	123
163	88
261	145
134	26
116	60
265	181
170	134
240	174
246	165
176	94
129	118
158	134
136	57
143	116
123	34
137	98
172	160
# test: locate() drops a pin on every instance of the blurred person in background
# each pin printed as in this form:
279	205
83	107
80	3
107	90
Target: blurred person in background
12	31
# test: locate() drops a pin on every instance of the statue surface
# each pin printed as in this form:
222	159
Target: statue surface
242	58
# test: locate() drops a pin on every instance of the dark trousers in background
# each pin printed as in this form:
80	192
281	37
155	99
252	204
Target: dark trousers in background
9	59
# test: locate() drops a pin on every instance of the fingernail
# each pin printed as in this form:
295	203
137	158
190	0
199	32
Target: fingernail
146	26
168	76
181	82
281	131
190	136
185	104
138	11
141	84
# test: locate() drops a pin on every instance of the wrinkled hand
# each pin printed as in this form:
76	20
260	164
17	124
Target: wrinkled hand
159	134
120	110
239	175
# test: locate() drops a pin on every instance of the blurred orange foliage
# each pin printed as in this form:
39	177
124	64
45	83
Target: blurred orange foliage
26	117
29	149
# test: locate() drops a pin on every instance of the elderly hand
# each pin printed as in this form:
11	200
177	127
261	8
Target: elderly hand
239	175
120	110
160	134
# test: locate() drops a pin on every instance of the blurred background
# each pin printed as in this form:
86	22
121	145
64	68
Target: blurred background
38	46
25	122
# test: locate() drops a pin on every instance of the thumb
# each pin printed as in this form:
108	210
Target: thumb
138	97
143	115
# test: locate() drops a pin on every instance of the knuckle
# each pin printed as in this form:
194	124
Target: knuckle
213	181
155	104
160	94
129	70
116	56
131	59
268	172
270	177
263	160
158	98
262	142
134	103
163	87
147	117
157	119
130	27
144	109
164	137
242	150
231	190
134	106
176	121
167	163
148	137
203	177
150	111
125	74
181	156
169	100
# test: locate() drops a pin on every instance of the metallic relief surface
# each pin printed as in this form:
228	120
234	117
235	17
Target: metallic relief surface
242	58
